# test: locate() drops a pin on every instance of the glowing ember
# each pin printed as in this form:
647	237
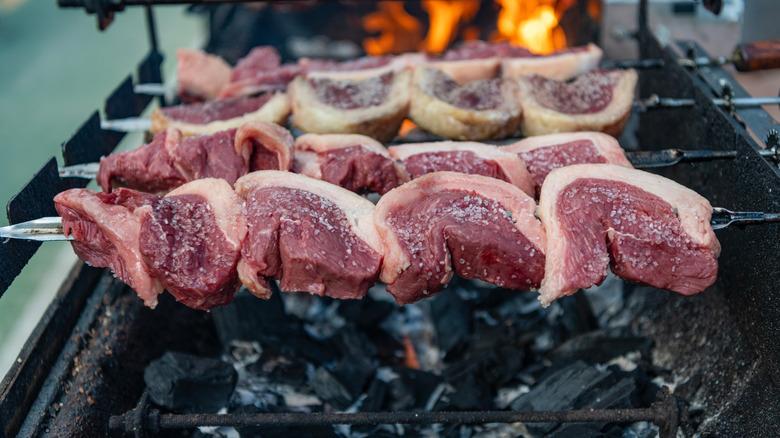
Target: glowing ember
406	127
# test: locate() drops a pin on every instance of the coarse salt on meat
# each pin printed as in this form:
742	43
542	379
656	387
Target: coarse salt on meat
191	242
599	100
355	162
374	107
476	110
648	229
447	223
544	153
311	235
464	157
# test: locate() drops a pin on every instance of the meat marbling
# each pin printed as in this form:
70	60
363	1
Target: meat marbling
464	157
354	162
600	100
191	241
106	234
374	107
648	229
474	111
447	223
311	235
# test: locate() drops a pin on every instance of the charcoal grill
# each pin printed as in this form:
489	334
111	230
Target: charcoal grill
80	372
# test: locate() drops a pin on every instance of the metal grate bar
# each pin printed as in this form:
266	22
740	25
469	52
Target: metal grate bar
664	413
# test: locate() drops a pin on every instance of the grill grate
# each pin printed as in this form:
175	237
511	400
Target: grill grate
666	413
750	182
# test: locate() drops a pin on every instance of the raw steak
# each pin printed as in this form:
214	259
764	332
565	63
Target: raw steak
149	168
169	161
480	60
475	111
648	229
449	223
374	107
544	153
265	146
561	65
464	157
354	162
219	115
201	76
191	241
600	100
471	61
310	235
361	68
106	235
259	71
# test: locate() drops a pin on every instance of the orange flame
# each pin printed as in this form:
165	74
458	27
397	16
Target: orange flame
398	31
445	18
532	24
529	23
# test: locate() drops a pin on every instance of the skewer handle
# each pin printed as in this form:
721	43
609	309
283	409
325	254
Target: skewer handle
45	229
758	55
722	218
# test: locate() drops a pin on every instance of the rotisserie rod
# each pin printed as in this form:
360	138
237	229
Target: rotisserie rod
656	102
757	55
47	229
639	159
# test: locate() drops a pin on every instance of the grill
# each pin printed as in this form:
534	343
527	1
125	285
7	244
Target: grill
81	371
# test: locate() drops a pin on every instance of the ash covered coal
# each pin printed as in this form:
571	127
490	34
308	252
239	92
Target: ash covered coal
473	347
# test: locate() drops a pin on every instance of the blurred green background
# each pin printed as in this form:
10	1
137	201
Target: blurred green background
56	68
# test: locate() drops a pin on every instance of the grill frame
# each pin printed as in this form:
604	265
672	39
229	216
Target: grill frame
36	384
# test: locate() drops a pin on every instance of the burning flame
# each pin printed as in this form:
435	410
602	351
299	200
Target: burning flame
445	18
398	31
528	23
532	24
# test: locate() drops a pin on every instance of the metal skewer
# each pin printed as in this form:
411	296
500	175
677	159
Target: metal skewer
45	229
722	218
700	61
654	101
48	229
639	159
139	124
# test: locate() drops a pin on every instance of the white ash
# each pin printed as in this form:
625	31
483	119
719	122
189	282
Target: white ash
505	396
243	353
626	362
322	319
